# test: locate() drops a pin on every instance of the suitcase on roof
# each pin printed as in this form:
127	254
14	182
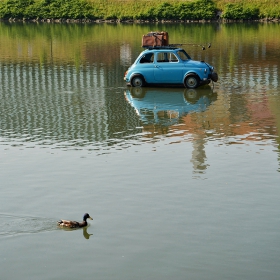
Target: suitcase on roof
155	39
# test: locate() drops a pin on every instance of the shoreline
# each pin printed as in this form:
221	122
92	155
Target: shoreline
131	21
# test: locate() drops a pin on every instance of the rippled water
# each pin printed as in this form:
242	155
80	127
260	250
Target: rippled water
13	225
180	183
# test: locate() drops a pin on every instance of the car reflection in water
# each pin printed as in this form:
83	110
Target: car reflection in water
165	106
160	108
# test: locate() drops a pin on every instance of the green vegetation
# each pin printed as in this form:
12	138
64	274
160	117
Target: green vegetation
238	11
266	8
74	9
138	9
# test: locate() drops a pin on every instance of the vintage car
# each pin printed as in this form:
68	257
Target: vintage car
169	66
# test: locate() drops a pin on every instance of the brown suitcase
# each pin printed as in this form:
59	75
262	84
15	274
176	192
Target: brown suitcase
155	39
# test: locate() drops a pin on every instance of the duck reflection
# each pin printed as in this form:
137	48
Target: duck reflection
86	234
165	106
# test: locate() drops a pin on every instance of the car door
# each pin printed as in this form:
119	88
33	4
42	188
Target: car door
145	66
168	68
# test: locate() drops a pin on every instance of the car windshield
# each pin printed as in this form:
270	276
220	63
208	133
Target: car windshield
147	58
183	55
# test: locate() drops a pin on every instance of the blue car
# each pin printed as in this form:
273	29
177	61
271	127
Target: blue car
169	66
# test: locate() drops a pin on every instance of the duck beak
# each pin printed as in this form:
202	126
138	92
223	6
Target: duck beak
90	218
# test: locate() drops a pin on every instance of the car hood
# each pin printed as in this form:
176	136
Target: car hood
196	64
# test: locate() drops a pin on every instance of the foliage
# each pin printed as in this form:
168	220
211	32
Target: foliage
270	12
200	9
239	11
79	9
138	9
14	8
72	9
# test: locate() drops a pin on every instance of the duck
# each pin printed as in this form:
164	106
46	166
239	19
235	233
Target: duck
74	224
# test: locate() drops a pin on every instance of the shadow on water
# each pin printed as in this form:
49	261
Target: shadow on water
12	225
166	106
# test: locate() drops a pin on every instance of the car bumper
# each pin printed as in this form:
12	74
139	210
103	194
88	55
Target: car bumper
214	77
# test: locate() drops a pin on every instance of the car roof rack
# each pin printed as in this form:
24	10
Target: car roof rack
176	46
160	47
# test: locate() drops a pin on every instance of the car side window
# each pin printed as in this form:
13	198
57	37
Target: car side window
166	57
147	58
162	57
173	58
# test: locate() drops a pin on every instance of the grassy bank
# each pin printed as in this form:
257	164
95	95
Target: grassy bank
139	10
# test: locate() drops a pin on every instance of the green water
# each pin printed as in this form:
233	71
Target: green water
180	184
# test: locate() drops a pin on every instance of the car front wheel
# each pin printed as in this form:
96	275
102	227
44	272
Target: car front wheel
137	81
191	81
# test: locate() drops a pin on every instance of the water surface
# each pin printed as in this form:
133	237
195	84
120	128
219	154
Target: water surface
180	183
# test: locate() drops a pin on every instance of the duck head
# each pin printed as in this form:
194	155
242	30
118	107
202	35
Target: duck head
87	216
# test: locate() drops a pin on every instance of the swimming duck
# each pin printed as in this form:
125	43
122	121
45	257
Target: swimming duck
74	224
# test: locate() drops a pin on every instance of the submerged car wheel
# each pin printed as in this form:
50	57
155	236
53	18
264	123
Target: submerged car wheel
190	94
191	81
138	92
137	81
